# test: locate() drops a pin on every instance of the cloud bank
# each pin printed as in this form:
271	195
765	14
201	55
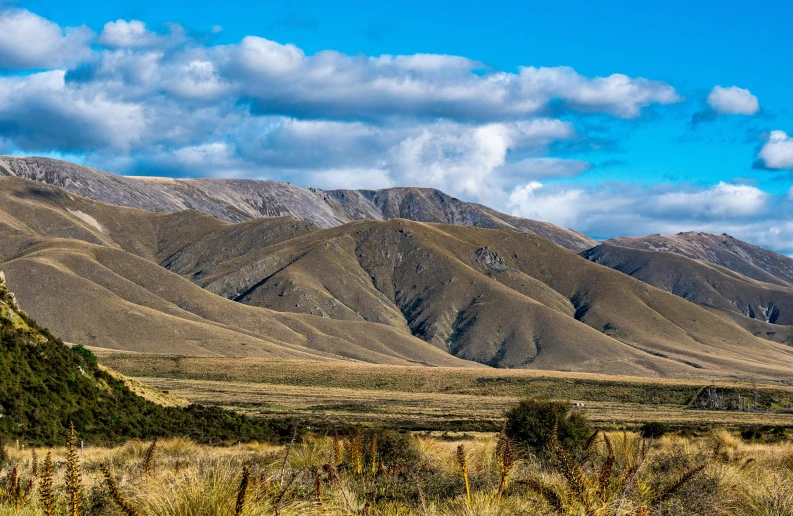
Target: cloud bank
134	100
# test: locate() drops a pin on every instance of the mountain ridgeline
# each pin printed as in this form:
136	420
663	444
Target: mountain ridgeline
237	200
400	276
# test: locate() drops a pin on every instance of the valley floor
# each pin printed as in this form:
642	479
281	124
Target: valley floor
439	399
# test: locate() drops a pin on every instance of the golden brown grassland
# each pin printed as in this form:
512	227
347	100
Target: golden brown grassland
619	474
424	398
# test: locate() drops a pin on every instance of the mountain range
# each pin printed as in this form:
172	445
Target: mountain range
217	267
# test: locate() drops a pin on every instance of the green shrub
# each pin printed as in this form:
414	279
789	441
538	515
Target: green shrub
654	430
45	386
86	353
397	448
530	423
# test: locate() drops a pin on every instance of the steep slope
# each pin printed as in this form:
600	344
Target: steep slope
498	297
71	248
744	258
239	200
763	309
45	387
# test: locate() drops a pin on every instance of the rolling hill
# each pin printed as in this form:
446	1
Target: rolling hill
397	291
237	200
763	309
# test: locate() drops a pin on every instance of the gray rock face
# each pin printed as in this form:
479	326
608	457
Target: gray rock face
237	200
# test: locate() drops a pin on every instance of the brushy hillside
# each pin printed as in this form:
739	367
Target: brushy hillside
45	386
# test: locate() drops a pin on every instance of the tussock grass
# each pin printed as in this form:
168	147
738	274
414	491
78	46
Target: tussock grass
617	474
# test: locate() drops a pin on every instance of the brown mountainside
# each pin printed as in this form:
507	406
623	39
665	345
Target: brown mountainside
763	309
749	260
238	200
394	291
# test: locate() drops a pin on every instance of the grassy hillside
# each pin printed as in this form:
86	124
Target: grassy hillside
45	387
723	250
763	309
392	292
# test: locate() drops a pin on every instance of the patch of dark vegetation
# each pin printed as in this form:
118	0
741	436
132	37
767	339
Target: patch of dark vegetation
765	433
654	430
533	422
45	386
498	357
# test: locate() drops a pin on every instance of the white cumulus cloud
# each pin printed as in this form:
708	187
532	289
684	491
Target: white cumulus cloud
733	100
122	33
777	153
28	41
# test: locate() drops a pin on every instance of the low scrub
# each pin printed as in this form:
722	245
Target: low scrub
370	472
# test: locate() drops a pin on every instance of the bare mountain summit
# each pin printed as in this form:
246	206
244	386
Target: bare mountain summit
237	200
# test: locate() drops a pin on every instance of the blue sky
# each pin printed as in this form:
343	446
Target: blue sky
607	117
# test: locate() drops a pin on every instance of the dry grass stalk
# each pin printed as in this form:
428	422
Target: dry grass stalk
330	469
607	469
45	488
568	466
462	460
422	498
548	493
12	490
591	441
123	504
318	488
373	454
286	454
356	451
506	460
74	480
34	463
240	505
682	481
148	460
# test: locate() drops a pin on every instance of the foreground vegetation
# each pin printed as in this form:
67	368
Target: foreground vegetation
387	473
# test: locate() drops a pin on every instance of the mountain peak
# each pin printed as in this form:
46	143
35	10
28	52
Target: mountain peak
238	200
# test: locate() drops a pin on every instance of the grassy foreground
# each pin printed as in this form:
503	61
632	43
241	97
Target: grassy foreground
403	474
425	398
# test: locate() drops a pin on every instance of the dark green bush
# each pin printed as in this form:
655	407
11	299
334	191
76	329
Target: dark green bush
86	353
530	423
751	433
654	430
397	448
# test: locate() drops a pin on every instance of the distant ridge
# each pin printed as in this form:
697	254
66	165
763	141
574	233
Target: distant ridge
742	257
237	200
